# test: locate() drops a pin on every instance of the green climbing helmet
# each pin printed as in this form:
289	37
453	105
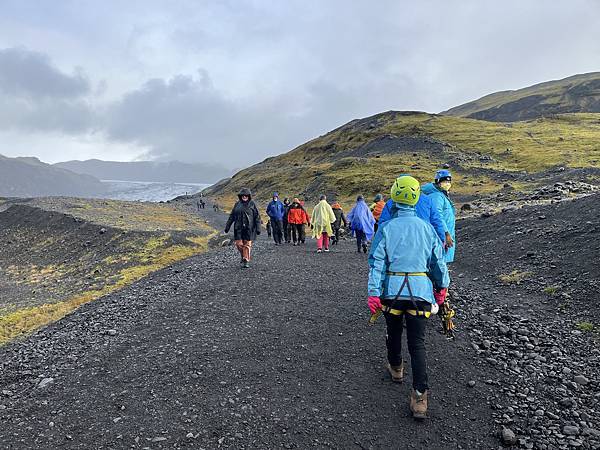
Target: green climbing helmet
406	190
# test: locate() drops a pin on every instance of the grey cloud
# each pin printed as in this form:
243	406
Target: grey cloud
35	96
279	73
27	73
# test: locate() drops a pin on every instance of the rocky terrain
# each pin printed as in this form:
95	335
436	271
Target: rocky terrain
58	253
529	278
203	355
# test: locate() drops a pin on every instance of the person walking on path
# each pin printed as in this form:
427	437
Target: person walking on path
297	217
362	223
286	226
245	219
269	229
406	265
424	210
438	192
376	208
340	219
322	218
275	211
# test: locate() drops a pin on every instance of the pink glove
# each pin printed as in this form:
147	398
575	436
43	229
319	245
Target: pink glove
374	304
440	295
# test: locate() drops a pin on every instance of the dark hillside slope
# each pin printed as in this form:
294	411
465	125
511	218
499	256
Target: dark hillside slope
576	94
29	177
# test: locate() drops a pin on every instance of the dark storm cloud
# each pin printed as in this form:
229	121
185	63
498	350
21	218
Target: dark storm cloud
275	74
28	73
35	96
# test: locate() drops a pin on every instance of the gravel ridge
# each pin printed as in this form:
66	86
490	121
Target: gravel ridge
205	355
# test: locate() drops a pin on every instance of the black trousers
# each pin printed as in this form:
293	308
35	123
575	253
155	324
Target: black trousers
287	230
361	239
277	226
415	336
297	232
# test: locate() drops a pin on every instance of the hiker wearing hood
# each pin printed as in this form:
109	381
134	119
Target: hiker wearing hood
406	265
275	211
362	223
376	208
340	219
245	219
297	218
287	230
438	192
322	218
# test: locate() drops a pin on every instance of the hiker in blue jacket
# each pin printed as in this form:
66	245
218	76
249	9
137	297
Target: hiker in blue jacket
276	211
406	264
438	193
425	210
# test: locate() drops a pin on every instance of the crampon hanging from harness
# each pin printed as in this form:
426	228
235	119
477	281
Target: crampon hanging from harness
447	313
415	311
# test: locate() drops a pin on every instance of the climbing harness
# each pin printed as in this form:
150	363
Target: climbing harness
397	312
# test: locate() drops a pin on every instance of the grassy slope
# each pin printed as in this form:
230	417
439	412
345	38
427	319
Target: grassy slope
570	94
322	165
147	237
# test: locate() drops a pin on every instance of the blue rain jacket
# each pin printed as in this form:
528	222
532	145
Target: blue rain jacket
425	210
361	218
406	244
276	210
447	212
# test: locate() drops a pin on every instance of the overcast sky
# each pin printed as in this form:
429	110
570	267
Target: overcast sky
235	81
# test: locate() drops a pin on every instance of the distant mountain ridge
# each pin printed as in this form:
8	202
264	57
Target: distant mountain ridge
575	94
173	171
29	177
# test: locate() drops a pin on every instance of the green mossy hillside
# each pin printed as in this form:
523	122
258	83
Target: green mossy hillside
579	93
365	155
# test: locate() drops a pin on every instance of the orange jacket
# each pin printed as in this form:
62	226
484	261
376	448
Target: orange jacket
376	209
298	216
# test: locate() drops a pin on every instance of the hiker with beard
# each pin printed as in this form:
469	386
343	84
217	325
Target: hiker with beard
297	218
406	266
340	219
438	192
245	219
362	223
322	218
286	226
275	211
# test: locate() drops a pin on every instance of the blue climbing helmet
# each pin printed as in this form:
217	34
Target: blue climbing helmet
443	174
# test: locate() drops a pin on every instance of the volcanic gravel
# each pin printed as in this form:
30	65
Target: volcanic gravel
535	333
204	354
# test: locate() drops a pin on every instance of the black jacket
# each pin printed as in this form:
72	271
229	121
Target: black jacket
245	220
339	218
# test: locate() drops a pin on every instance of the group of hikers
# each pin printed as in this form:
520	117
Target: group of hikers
412	239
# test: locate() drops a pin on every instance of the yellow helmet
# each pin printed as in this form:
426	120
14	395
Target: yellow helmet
406	190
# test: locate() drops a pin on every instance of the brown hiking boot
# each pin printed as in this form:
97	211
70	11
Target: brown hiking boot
418	404
396	372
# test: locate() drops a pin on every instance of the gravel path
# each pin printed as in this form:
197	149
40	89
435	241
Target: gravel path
204	355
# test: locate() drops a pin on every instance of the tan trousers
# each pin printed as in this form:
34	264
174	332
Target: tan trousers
244	248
